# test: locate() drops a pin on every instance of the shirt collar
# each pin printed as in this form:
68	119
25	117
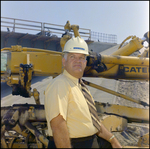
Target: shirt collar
75	80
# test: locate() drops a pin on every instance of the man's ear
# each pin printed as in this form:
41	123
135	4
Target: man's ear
63	61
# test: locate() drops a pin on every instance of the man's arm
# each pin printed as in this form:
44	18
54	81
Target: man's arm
105	134
60	132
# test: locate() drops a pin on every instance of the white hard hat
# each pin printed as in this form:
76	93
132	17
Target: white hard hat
76	45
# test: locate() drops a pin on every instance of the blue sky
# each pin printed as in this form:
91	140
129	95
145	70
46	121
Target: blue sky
122	18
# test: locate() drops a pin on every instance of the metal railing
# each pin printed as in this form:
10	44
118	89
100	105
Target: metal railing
19	25
48	29
38	28
51	28
102	37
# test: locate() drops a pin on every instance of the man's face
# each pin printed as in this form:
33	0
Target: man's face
75	64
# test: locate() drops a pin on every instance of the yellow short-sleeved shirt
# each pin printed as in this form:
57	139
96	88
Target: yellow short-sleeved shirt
63	96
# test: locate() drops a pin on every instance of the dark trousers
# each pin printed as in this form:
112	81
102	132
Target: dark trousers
85	142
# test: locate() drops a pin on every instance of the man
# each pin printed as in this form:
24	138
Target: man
69	118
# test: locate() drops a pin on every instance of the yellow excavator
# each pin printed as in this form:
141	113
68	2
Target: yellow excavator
24	125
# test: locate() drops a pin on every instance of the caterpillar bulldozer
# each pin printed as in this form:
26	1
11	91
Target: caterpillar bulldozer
25	126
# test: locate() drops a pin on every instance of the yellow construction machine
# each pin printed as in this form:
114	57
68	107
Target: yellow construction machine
24	125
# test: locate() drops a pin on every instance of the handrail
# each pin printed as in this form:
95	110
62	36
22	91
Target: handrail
20	24
61	28
52	29
21	20
22	28
16	24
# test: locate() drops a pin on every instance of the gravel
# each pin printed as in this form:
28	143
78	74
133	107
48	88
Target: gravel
138	90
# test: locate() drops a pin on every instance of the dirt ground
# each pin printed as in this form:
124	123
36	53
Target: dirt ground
138	90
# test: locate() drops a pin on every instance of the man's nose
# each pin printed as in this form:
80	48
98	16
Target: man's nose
77	59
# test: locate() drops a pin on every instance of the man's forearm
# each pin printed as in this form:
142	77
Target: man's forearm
61	138
104	133
60	132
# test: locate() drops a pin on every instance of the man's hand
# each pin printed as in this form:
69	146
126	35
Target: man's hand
105	134
60	132
115	144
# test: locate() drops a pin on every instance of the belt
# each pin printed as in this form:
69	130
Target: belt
77	139
83	138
